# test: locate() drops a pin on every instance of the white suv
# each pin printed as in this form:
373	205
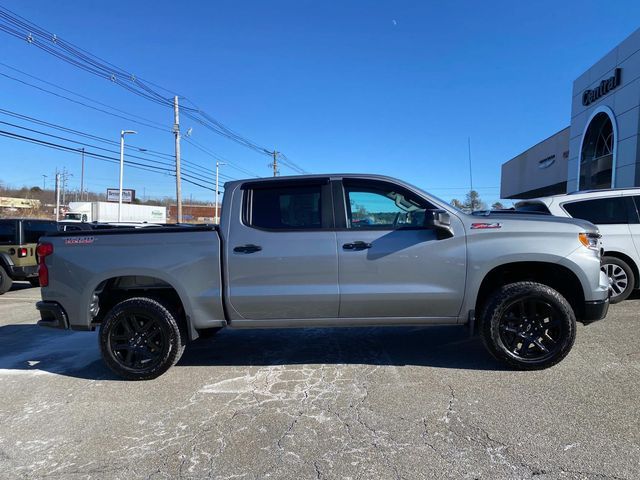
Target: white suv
615	212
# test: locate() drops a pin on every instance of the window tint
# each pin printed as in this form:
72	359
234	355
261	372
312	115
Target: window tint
285	208
382	207
533	207
601	211
32	230
8	233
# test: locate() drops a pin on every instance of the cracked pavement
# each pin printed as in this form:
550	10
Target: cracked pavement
404	403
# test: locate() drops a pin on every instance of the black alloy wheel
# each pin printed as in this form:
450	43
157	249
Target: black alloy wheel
530	328
140	339
528	325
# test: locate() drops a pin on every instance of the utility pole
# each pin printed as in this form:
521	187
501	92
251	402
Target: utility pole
122	134
275	163
44	182
217	217
470	176
57	196
176	131
64	177
82	176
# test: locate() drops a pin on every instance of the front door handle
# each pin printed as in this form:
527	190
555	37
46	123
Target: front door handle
356	246
250	248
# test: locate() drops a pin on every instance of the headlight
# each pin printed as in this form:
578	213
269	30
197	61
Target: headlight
590	240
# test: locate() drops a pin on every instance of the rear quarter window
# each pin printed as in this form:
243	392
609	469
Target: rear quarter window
600	211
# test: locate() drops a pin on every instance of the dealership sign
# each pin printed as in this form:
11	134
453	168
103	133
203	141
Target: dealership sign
113	195
591	95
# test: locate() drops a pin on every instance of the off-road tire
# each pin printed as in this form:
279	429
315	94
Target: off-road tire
168	349
630	277
5	281
499	316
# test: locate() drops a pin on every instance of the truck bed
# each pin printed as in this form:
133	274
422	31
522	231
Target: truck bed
184	258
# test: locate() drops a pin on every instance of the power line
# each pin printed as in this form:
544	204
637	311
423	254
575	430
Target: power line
24	29
80	95
202	170
168	164
218	157
56	146
83	104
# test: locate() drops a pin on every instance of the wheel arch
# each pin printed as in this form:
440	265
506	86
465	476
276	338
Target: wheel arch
116	288
6	261
556	276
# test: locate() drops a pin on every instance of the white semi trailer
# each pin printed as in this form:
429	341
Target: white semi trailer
108	212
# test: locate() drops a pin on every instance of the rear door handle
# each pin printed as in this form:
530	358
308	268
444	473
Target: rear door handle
356	246
250	248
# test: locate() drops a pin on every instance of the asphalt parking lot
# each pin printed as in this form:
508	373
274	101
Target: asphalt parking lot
406	403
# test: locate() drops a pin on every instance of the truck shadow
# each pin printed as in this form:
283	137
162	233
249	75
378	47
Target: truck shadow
34	350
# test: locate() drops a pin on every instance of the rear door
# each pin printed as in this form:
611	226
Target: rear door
281	252
389	264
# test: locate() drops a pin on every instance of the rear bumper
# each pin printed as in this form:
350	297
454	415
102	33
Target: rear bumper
23	273
595	310
52	315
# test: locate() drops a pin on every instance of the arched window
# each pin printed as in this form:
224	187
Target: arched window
596	158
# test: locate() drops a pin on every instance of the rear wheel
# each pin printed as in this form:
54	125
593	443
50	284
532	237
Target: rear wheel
5	281
140	339
35	282
621	278
528	325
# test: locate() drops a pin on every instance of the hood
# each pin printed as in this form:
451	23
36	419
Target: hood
535	222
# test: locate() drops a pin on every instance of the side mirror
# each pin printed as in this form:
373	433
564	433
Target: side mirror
440	221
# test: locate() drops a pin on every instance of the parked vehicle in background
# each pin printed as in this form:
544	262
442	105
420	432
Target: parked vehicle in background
326	251
108	212
615	212
18	242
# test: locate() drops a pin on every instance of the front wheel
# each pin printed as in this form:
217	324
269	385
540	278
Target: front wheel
528	325
140	339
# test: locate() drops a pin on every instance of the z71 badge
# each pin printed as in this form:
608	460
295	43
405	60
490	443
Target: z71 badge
483	226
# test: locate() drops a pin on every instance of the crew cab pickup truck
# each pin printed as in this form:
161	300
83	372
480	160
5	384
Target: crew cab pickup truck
326	251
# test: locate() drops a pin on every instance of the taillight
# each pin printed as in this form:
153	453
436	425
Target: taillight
44	250
22	252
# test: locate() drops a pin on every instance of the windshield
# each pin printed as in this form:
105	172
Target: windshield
73	216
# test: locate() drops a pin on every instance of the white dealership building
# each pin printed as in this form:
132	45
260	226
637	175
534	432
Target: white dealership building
601	146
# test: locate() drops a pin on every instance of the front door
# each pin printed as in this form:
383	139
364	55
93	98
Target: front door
281	252
389	264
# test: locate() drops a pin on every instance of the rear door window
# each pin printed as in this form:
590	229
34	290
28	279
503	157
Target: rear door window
8	233
285	207
600	211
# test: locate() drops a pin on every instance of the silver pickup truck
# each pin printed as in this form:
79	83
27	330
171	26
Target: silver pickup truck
326	251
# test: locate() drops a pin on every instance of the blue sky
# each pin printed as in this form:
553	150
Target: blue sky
382	87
